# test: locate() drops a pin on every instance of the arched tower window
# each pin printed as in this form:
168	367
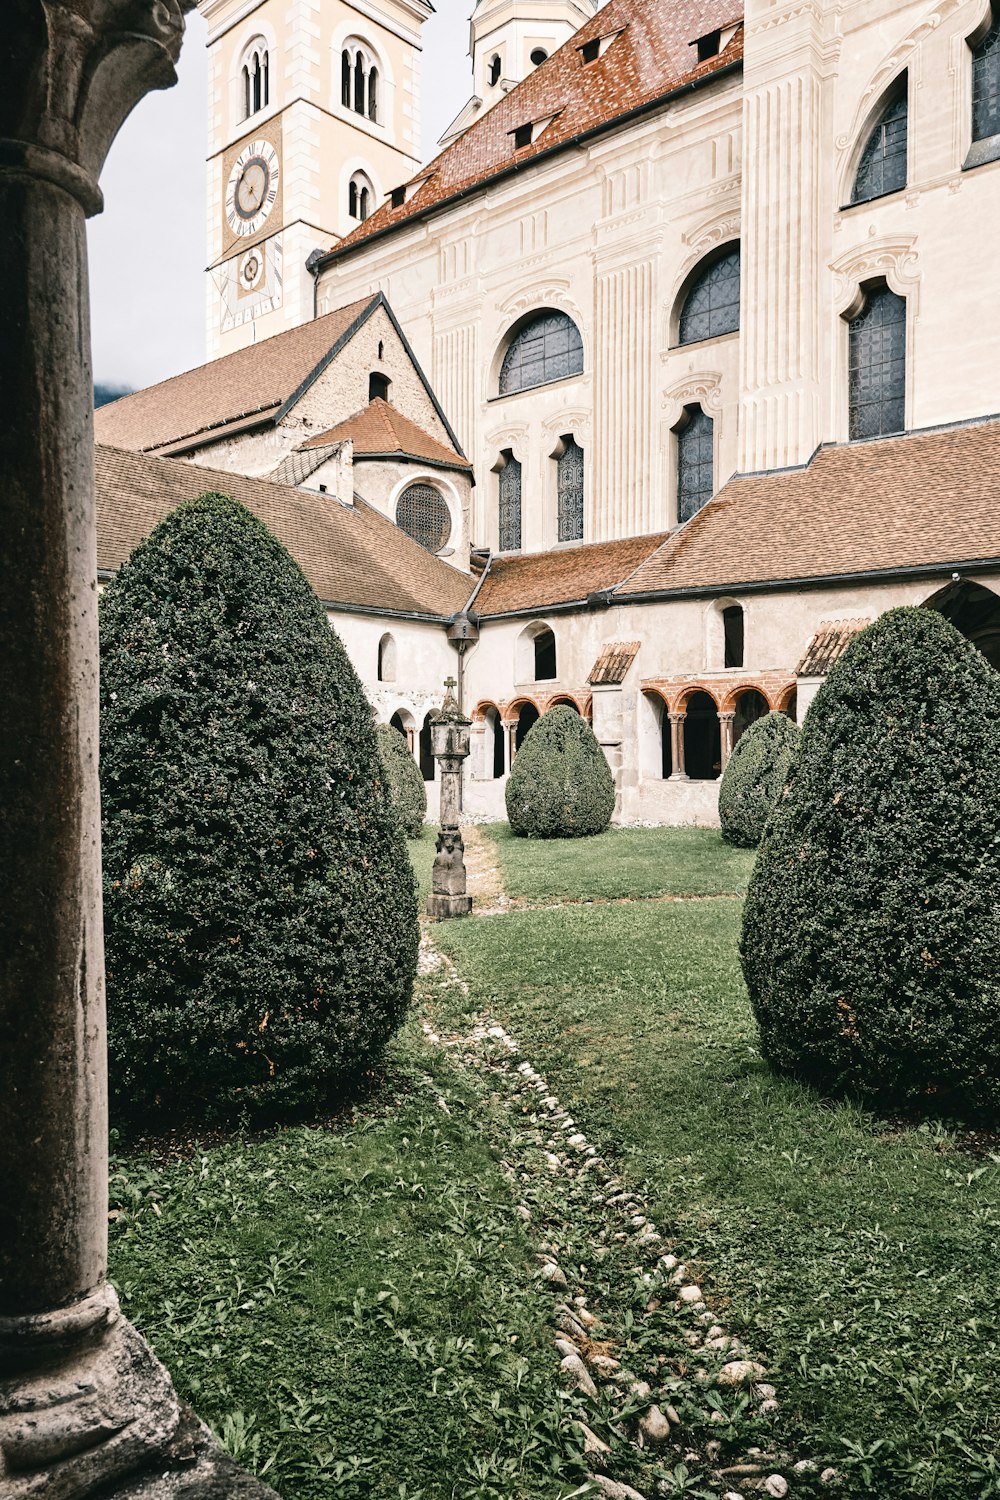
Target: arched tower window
538	56
510	502
695	462
255	78
494	70
711	306
387	659
877	365
882	167
569	489
360	197
547	347
986	84
359	80
422	512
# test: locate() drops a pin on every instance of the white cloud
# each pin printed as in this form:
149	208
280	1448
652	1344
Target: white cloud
148	248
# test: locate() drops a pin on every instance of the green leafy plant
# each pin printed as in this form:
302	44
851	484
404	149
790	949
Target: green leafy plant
560	785
871	936
406	785
259	903
755	778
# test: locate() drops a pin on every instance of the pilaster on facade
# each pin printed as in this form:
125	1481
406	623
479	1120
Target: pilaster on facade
621	501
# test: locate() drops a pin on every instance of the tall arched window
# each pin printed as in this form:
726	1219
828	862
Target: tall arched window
422	512
360	197
548	347
545	656
986	84
494	70
569	489
510	502
695	462
359	80
387	659
712	304
732	636
877	365
255	78
882	167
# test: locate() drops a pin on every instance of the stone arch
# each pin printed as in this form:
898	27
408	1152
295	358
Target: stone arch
975	611
702	736
404	723
528	715
425	755
560	350
566	700
535	653
495	757
749	705
655	735
787	702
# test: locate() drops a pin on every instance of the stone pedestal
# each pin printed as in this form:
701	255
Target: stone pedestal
85	1409
450	743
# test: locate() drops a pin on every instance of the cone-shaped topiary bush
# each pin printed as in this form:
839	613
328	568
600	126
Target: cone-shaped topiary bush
259	902
755	778
406	785
560	785
871	934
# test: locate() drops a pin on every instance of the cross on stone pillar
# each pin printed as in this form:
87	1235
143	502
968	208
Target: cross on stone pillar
677	746
450	743
84	1406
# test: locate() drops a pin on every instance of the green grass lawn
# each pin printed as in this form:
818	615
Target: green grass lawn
858	1257
422	858
622	862
352	1308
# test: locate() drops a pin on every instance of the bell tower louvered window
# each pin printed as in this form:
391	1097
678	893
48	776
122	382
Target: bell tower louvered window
422	512
882	168
712	305
695	463
877	366
569	490
510	503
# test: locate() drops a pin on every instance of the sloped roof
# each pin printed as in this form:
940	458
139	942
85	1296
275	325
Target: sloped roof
254	382
351	555
920	500
378	429
566	575
611	667
828	645
650	59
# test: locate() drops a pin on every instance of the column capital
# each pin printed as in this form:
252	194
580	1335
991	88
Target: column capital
727	717
677	715
86	65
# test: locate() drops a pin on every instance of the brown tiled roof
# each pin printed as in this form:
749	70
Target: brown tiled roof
920	500
352	556
537	580
828	644
250	383
651	57
611	666
380	429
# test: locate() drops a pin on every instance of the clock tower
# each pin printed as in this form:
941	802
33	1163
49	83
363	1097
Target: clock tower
313	118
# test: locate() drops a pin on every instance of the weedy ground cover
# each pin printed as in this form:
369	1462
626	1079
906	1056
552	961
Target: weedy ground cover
856	1255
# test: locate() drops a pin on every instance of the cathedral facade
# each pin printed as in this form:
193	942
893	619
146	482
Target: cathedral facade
703	299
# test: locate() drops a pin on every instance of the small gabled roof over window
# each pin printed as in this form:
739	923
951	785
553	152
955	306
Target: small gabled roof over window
828	645
530	131
596	46
611	667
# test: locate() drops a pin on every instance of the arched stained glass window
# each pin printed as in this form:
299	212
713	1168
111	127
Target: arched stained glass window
986	84
882	168
877	366
422	512
695	463
547	348
712	306
510	503
569	490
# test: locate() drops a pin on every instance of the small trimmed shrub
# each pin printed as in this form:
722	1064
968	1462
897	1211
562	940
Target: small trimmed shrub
560	785
871	934
259	903
406	785
755	778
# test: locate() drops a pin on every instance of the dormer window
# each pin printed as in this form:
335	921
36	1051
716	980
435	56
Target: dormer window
398	196
522	136
591	51
708	45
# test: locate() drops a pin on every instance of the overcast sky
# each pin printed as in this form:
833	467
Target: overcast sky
148	248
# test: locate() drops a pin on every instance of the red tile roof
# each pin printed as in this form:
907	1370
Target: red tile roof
566	575
611	667
351	555
250	383
828	645
380	429
650	59
924	499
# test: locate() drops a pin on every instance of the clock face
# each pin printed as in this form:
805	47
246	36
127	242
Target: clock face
252	188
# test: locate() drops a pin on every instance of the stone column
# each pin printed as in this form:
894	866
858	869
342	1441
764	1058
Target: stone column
83	1404
450	742
677	746
726	735
511	727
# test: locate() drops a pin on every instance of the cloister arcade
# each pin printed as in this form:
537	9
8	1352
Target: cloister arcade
503	725
698	723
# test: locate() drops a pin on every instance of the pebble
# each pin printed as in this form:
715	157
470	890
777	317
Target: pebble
565	1348
829	1476
604	1365
614	1490
524	1211
553	1275
654	1426
732	1495
768	1408
739	1371
691	1294
576	1371
776	1486
670	1412
591	1442
566	1321
639	1390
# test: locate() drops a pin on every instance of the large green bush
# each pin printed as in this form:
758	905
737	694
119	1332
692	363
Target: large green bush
406	785
259	903
755	778
560	785
871	935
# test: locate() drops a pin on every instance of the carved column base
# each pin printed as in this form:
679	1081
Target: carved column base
90	1412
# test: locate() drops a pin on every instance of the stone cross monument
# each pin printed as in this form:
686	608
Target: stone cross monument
450	740
84	1406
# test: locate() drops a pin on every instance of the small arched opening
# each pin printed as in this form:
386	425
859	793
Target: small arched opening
387	659
402	722
496	755
750	706
702	738
528	716
975	611
426	754
535	654
789	704
378	386
493	72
